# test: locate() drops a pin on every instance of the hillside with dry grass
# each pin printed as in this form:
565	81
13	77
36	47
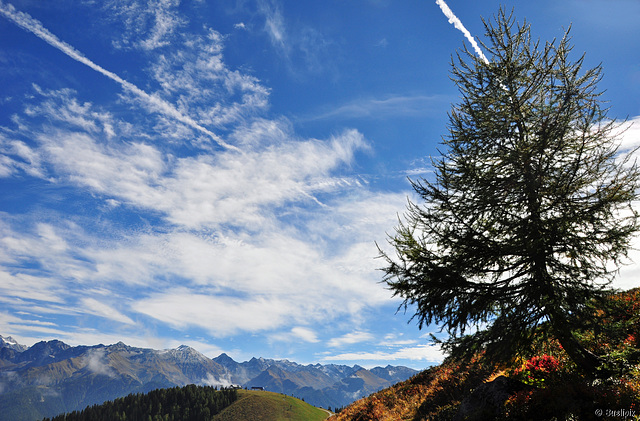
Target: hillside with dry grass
544	385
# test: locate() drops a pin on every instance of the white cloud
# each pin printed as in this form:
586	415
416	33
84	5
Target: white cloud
350	339
254	283
394	340
203	191
135	337
28	331
305	334
286	267
6	166
256	287
18	156
296	334
11	325
44	247
211	380
428	353
383	43
630	273
97	363
630	136
166	21
220	315
125	173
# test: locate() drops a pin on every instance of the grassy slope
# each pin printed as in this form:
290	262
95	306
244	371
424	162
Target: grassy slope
269	406
435	391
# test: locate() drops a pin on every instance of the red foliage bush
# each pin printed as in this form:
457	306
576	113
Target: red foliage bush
544	364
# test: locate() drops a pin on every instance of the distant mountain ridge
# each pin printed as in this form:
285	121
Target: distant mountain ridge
11	343
52	377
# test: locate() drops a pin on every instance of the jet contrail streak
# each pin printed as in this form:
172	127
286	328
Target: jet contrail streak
159	105
453	19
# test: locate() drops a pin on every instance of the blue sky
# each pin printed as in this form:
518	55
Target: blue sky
216	174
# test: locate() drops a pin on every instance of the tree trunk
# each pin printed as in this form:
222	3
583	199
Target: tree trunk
585	359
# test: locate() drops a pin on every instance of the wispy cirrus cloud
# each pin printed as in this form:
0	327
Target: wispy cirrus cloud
165	22
101	309
22	286
274	24
201	190
153	102
392	106
197	79
294	42
146	26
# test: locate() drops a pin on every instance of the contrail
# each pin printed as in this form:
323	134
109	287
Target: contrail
458	24
161	106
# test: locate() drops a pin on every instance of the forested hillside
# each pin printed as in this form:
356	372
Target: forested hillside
189	403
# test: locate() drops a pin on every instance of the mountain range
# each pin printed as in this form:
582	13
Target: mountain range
52	377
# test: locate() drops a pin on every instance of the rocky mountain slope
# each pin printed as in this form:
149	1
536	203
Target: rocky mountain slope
52	377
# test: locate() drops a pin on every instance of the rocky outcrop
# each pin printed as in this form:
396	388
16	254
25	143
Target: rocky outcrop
487	400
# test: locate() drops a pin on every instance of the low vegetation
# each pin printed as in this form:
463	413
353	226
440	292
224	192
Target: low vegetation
547	383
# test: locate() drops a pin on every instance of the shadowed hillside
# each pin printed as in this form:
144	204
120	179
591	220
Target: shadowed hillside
542	386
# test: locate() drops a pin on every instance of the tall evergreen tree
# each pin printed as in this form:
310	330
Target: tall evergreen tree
528	215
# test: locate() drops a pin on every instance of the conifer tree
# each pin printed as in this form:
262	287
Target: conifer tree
528	215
